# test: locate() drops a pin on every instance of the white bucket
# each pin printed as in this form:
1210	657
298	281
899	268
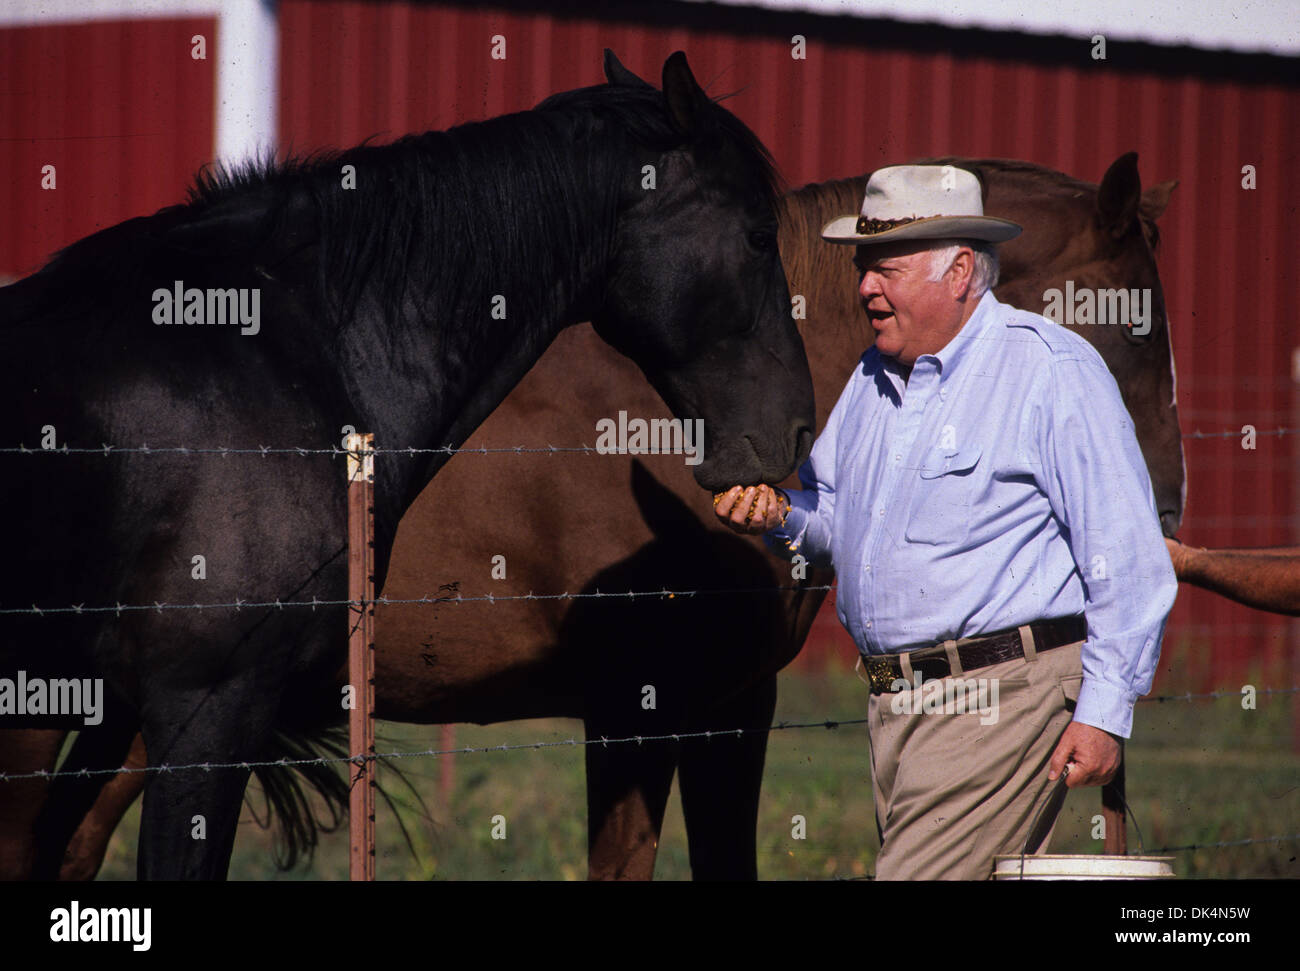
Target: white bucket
1083	867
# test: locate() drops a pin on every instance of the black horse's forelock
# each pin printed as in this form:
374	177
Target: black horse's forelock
422	218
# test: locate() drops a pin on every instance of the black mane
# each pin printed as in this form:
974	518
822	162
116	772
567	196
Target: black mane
380	237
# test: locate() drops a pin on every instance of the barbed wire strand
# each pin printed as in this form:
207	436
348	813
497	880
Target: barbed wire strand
1215	846
833	723
335	450
264	450
1220	694
425	753
490	598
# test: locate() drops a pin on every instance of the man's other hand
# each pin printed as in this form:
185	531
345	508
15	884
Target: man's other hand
752	509
1095	754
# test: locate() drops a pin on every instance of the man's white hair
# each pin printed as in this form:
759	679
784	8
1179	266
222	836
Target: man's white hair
983	277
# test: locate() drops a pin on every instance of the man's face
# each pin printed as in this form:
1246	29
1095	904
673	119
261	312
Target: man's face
910	315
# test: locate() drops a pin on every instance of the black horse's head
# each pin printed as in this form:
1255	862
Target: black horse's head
695	292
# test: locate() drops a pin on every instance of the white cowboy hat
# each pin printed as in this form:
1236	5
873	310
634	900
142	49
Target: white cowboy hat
920	202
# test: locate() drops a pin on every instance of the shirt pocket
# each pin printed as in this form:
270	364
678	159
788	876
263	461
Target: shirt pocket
940	510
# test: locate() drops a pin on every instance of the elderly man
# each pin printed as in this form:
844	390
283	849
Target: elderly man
981	495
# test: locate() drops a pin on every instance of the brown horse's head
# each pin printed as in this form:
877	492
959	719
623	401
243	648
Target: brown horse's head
1082	244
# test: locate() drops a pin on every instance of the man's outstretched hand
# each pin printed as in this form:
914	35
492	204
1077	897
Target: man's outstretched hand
1095	755
752	509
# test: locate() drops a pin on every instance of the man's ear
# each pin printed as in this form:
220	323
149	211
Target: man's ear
963	271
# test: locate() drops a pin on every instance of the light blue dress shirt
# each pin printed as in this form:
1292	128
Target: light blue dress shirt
1002	484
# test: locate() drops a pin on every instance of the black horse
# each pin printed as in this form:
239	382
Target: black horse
402	290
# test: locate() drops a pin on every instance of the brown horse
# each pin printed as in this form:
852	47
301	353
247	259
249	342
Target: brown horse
571	523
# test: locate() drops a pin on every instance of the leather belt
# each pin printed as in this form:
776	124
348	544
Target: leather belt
972	652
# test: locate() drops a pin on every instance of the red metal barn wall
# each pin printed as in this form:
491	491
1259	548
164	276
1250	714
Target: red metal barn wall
119	108
871	94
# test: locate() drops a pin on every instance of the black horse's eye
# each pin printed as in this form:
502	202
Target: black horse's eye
1134	337
762	240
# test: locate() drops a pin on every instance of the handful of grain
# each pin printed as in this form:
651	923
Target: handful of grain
753	503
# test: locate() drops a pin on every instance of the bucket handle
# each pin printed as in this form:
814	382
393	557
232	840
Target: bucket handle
1042	820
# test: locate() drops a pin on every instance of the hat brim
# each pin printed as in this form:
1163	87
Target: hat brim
987	228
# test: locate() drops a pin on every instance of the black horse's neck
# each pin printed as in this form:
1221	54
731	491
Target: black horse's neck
490	239
447	262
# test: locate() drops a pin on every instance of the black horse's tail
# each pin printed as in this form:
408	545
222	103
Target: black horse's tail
312	765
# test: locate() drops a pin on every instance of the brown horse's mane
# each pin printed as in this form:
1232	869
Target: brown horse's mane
808	260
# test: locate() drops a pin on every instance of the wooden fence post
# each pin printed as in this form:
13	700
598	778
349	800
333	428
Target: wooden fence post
361	655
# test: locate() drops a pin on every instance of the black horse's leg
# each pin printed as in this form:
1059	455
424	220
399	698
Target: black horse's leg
105	746
24	751
627	793
720	779
628	783
187	829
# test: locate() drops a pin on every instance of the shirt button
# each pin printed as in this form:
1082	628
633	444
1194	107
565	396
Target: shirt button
880	511
868	625
868	569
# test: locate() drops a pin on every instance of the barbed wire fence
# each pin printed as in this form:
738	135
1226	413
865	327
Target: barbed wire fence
829	724
457	598
638	740
338	452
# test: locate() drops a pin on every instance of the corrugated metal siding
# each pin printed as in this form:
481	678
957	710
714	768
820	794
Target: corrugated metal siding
119	108
351	70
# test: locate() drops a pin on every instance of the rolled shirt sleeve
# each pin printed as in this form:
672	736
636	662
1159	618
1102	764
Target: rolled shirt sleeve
1096	480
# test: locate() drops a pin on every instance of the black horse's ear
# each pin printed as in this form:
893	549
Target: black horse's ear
1120	195
686	99
616	73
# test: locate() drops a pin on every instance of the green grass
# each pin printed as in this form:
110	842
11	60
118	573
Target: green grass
1198	772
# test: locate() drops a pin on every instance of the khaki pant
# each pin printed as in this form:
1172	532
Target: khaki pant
952	793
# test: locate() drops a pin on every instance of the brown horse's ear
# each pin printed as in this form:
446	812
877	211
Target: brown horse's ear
1119	195
1156	199
686	99
616	73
